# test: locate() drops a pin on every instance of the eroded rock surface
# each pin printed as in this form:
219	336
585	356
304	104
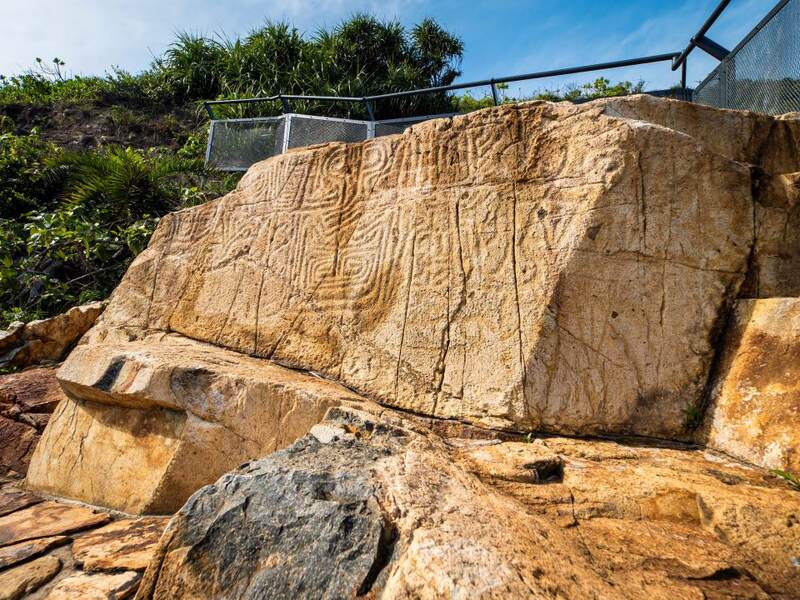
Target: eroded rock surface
20	581
22	551
754	413
47	519
126	544
529	267
26	401
149	422
46	340
96	586
93	559
386	508
770	145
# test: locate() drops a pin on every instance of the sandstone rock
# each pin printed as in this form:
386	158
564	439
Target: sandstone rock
16	553
125	455
529	267
17	443
46	340
26	401
96	586
14	500
391	511
127	544
33	391
150	422
770	145
755	406
47	519
19	581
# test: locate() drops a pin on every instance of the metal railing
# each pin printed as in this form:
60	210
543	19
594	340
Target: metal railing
234	144
763	72
369	101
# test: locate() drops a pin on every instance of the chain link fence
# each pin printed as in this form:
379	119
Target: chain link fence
235	144
307	130
762	73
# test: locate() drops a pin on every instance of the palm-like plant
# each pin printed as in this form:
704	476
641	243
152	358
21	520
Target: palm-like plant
192	66
359	57
122	181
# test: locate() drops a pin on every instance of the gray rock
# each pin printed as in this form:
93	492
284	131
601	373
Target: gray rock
303	522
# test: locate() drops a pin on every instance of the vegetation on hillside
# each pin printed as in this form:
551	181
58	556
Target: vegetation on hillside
89	163
71	221
361	56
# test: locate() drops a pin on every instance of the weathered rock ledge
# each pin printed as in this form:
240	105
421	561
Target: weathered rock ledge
46	340
629	267
27	400
376	505
59	551
147	423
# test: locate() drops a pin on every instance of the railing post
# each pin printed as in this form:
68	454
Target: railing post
210	112
371	115
370	110
210	140
287	107
683	74
494	92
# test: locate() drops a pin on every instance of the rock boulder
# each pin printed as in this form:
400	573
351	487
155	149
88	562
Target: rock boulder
148	423
46	340
27	399
528	267
754	413
384	508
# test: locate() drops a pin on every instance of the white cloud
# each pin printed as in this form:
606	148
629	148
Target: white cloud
93	35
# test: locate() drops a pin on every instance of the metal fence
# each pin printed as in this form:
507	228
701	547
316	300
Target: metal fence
235	144
762	73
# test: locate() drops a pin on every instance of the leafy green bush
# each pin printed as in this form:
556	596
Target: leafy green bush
121	183
23	184
87	214
46	84
790	478
190	67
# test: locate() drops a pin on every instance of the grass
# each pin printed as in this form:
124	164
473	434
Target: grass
791	479
692	417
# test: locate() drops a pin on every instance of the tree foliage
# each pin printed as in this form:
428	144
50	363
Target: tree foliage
360	56
71	222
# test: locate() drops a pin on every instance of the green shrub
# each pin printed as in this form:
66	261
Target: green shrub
692	416
97	214
189	69
24	185
46	84
122	183
789	478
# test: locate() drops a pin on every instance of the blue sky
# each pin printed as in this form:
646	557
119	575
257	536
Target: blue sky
500	37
